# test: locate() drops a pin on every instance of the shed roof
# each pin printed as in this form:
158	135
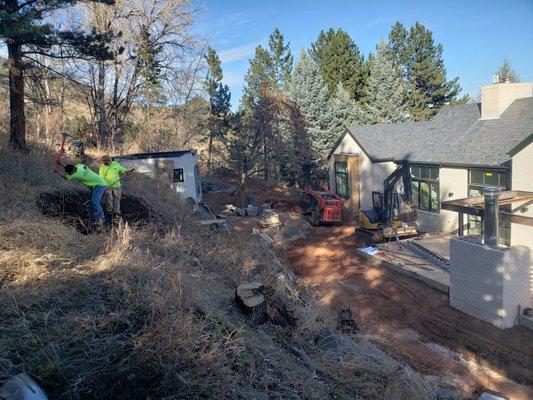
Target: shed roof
455	136
158	154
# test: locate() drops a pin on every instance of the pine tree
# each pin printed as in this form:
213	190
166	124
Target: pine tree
260	108
281	58
309	92
260	72
506	73
339	60
420	61
386	90
346	112
219	102
23	29
398	47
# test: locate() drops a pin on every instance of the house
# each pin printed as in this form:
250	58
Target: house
462	149
180	168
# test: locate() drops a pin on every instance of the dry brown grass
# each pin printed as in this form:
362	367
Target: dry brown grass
147	312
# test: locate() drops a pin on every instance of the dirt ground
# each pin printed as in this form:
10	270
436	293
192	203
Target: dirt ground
415	321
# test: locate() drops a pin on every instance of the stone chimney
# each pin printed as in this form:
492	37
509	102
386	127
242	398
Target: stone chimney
497	97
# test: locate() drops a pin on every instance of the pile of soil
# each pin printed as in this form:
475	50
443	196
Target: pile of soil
68	205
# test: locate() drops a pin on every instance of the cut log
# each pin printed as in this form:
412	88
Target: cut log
250	299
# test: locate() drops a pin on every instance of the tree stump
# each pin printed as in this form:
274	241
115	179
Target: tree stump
249	297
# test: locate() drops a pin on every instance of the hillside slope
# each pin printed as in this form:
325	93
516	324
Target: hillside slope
146	309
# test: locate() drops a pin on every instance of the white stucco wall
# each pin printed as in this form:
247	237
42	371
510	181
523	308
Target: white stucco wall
379	172
371	175
453	183
522	179
349	146
188	162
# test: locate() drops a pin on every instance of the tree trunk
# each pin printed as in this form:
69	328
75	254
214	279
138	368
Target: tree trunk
265	158
209	152
47	105
100	99
17	122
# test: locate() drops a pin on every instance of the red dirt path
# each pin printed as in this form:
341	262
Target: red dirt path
414	319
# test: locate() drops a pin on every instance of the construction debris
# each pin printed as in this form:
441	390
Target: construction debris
347	320
370	250
206	216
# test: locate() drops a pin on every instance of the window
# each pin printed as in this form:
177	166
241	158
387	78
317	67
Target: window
425	182
177	175
477	180
482	178
341	179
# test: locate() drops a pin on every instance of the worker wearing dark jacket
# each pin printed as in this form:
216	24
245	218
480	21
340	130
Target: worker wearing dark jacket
111	171
87	177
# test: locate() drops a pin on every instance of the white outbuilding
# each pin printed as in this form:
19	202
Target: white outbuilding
180	168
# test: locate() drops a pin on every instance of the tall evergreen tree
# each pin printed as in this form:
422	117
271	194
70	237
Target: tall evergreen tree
346	112
420	61
219	102
260	108
281	58
386	90
339	60
25	33
259	73
398	47
309	92
506	73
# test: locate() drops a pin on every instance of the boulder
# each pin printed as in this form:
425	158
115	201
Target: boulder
251	211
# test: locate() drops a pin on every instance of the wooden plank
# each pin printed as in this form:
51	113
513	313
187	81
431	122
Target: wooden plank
211	221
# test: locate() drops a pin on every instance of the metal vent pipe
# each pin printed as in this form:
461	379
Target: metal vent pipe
490	217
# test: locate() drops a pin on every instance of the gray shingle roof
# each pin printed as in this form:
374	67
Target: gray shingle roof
455	136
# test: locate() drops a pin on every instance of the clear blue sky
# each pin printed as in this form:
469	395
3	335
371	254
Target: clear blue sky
476	34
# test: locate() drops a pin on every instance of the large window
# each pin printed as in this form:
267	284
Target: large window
477	180
425	181
341	179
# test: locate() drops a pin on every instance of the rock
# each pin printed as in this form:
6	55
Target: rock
266	206
270	220
251	211
241	212
229	208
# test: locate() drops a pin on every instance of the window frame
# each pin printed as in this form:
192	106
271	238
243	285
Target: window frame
345	176
174	175
433	185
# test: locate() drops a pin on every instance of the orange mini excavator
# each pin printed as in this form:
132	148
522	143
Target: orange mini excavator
323	206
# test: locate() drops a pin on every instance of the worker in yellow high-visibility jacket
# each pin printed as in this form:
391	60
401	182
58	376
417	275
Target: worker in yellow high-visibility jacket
111	171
